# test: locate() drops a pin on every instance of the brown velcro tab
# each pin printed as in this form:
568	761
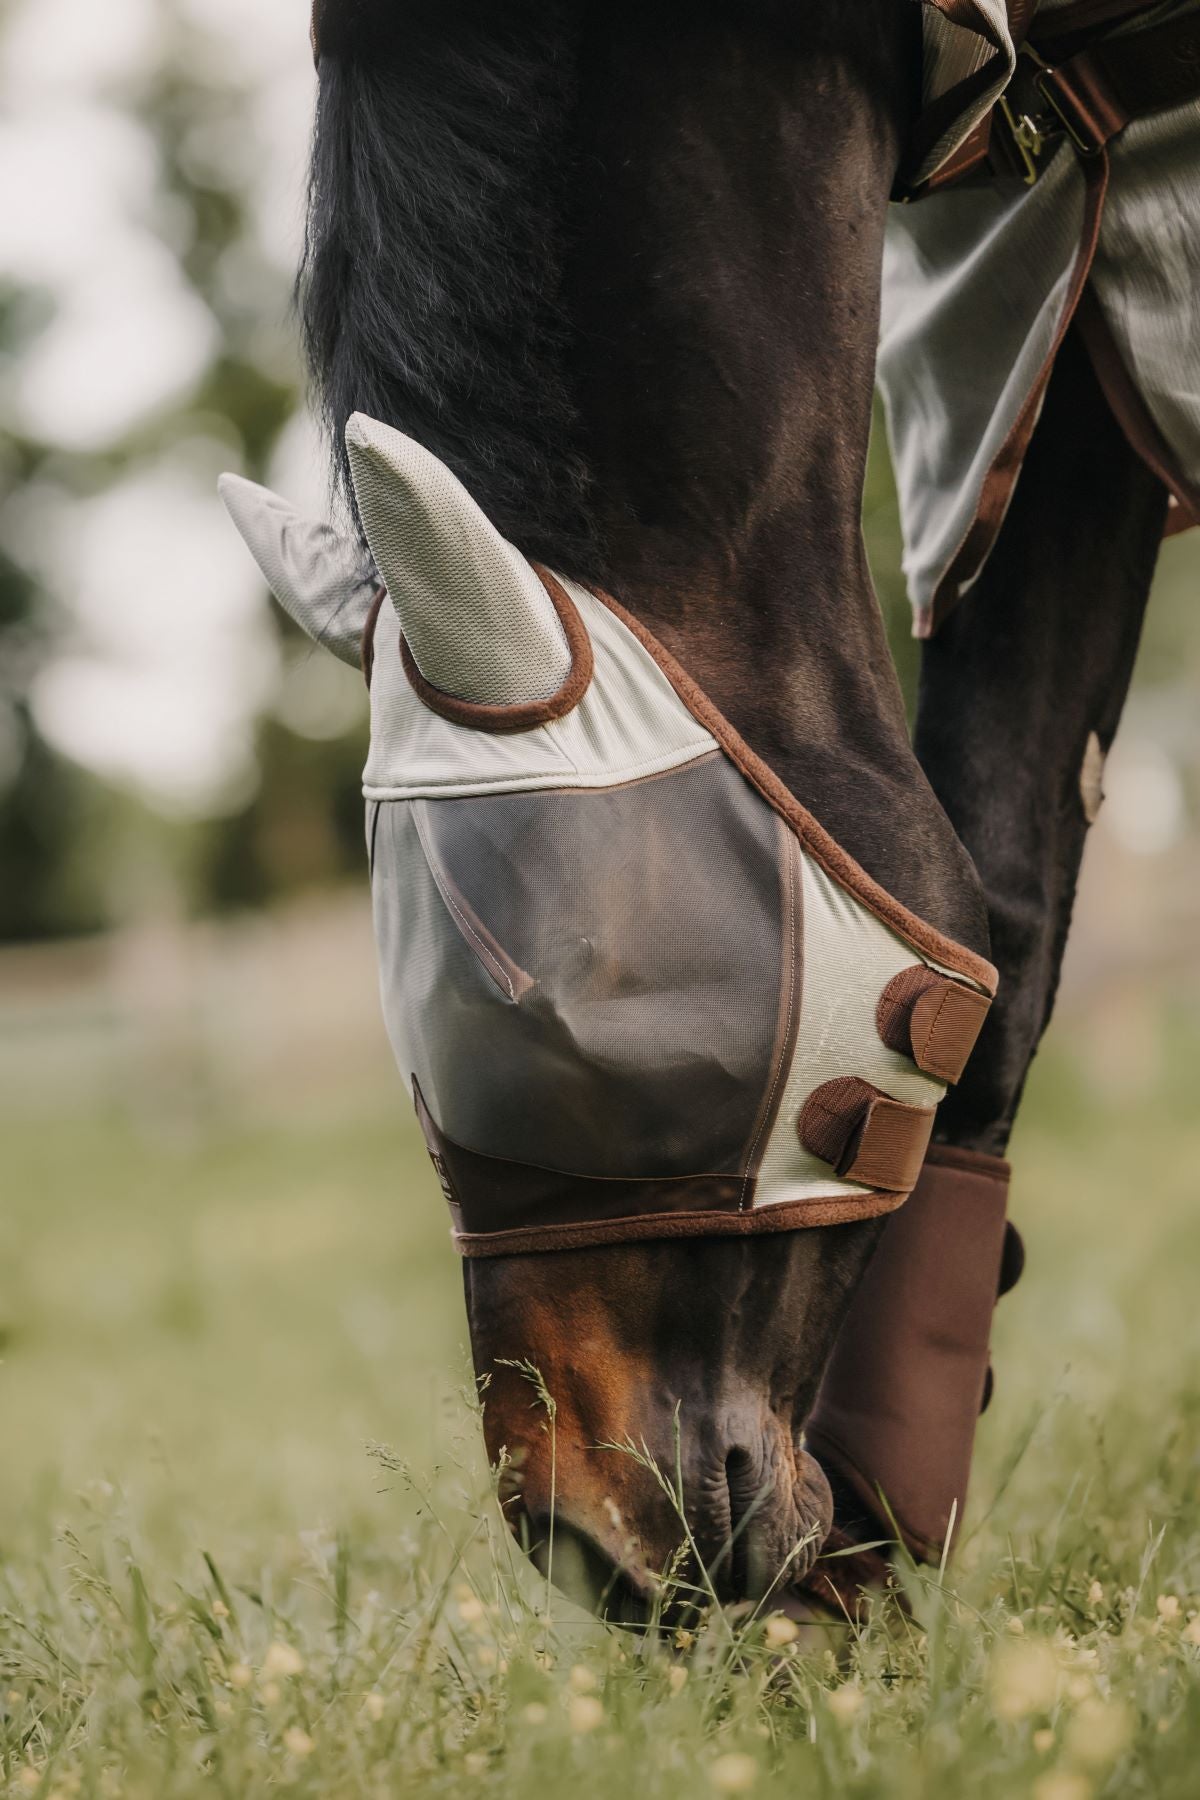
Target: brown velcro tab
864	1134
932	1019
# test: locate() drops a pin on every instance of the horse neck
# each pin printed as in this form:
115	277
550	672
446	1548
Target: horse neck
724	288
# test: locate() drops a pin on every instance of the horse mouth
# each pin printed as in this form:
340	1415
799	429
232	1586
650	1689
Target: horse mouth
746	1542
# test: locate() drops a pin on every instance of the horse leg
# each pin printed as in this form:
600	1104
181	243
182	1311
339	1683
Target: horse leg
1021	692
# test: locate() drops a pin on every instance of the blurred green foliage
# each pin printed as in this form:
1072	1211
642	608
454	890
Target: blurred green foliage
64	834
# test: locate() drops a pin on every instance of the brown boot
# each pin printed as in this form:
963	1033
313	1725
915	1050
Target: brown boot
894	1423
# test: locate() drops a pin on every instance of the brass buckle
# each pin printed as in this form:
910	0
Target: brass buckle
1029	137
1044	82
1032	131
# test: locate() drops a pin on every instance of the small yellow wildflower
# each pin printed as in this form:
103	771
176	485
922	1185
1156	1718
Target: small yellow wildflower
584	1713
29	1779
1096	1594
1016	1627
220	1610
485	1656
1043	1740
271	1693
733	1773
684	1639
534	1713
1167	1608
1024	1679
781	1631
1191	1633
297	1742
475	1762
582	1680
1099	1732
373	1707
471	1609
13	1697
241	1675
282	1659
676	1677
846	1702
1078	1687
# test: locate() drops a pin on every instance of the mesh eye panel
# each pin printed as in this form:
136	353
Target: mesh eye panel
588	981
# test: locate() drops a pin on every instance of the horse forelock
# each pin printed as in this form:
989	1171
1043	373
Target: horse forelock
429	284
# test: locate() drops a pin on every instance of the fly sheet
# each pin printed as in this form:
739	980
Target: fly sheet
981	279
634	987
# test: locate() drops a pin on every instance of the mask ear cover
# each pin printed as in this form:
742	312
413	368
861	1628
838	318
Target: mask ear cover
320	577
487	643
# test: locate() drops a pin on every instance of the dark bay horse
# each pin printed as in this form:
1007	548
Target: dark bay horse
618	267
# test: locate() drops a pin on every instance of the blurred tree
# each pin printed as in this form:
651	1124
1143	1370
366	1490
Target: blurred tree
62	830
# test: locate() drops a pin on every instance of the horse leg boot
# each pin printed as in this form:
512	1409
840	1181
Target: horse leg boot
1021	693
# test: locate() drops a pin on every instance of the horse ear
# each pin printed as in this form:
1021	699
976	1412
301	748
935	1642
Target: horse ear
324	580
476	618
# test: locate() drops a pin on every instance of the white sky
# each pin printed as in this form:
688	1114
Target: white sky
167	654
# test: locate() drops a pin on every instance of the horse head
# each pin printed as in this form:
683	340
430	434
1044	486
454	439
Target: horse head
674	1053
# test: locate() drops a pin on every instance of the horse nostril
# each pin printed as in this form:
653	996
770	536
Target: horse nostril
744	1497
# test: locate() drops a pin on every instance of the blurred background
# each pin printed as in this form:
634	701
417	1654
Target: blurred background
223	1264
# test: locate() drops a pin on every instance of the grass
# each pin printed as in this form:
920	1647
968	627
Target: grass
209	1584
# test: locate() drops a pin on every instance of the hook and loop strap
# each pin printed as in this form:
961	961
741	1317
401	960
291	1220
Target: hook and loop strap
932	1019
864	1134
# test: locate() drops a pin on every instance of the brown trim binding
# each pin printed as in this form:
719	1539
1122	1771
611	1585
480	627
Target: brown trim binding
1001	478
528	714
1133	415
837	863
784	1215
560	1211
366	649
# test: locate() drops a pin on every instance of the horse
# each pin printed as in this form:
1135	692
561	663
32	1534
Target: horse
591	297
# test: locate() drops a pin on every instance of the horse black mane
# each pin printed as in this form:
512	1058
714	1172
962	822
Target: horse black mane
429	288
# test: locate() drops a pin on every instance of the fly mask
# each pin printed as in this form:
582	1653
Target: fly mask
636	989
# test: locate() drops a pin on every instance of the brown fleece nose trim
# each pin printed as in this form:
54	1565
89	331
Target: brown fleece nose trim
864	1134
935	1021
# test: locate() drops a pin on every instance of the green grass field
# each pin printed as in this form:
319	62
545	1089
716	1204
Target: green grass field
209	1584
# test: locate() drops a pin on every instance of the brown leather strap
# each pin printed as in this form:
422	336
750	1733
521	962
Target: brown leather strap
895	1418
1094	88
1020	19
934	1020
864	1134
1099	90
